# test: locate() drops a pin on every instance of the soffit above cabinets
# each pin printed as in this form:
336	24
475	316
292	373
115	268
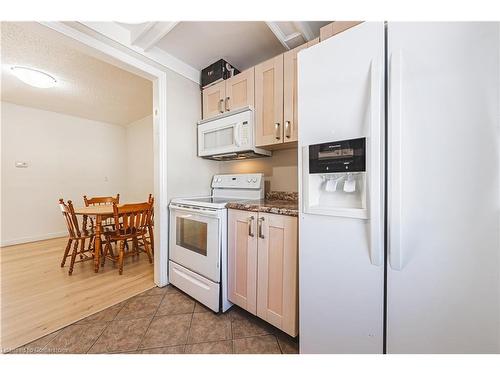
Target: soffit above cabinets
189	46
87	86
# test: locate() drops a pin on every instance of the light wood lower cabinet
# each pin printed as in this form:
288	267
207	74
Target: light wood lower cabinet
242	259
262	266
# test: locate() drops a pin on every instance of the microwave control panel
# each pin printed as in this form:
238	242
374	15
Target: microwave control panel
244	133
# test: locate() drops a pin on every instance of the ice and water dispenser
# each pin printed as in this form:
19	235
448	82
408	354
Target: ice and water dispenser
334	180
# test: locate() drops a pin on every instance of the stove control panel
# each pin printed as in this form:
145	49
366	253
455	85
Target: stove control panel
238	181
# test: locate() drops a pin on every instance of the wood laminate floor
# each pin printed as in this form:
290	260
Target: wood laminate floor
38	297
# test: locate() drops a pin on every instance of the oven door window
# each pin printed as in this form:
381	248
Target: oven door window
192	235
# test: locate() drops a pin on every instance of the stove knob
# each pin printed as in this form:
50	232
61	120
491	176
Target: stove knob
254	180
249	180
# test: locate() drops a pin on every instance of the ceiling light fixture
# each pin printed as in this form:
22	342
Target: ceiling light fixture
34	77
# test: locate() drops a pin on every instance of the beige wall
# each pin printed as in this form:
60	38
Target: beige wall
187	174
67	157
280	170
140	160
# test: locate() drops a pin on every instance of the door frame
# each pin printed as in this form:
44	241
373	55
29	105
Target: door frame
128	60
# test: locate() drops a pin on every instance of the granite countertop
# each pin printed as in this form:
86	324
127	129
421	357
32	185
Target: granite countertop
281	203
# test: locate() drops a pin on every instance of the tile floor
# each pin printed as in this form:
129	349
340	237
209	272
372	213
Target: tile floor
165	321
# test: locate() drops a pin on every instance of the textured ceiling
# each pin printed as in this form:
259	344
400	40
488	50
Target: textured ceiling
87	87
242	44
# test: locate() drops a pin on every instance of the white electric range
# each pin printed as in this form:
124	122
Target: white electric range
198	238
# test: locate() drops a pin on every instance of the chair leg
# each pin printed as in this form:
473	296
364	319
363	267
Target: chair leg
83	249
66	251
151	239
148	249
110	249
104	253
92	241
135	246
120	257
73	257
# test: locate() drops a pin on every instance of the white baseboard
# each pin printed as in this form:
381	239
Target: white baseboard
17	241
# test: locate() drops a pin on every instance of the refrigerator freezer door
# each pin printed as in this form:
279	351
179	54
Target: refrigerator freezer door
341	259
443	144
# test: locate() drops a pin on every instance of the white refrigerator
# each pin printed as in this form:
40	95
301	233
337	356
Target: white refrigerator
406	258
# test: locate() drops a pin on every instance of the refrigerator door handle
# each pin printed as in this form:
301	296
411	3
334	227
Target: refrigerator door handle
395	155
376	229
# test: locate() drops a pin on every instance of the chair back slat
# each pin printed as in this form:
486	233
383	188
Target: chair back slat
70	218
133	217
99	201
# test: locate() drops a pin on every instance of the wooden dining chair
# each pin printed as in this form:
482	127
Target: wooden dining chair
150	235
99	201
133	219
76	234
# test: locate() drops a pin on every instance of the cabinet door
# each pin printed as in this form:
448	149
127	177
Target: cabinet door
240	90
269	102
336	27
290	129
213	99
277	271
313	42
242	259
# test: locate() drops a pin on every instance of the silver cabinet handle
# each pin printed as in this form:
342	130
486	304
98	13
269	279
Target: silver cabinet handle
260	234
288	129
221	109
277	134
250	221
227	103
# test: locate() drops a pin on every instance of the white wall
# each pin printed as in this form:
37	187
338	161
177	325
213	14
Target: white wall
140	160
67	157
280	170
187	174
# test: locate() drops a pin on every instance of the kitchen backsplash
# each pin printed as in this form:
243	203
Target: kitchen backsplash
280	170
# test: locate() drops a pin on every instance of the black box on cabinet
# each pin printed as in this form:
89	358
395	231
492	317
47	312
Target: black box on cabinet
217	72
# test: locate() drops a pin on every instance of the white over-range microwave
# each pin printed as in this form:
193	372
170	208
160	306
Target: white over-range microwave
229	136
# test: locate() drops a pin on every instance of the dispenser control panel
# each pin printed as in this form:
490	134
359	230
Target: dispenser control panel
339	156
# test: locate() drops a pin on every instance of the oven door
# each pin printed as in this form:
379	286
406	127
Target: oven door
195	236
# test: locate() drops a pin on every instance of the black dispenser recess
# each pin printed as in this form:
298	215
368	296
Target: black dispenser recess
339	156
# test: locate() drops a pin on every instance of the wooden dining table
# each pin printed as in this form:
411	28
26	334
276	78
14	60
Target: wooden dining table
100	213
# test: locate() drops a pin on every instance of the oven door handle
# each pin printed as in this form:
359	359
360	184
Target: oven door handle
198	211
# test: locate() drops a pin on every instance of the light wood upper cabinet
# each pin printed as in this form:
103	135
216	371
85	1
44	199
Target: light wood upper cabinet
213	99
269	102
336	27
262	266
242	259
240	90
277	272
290	117
312	42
